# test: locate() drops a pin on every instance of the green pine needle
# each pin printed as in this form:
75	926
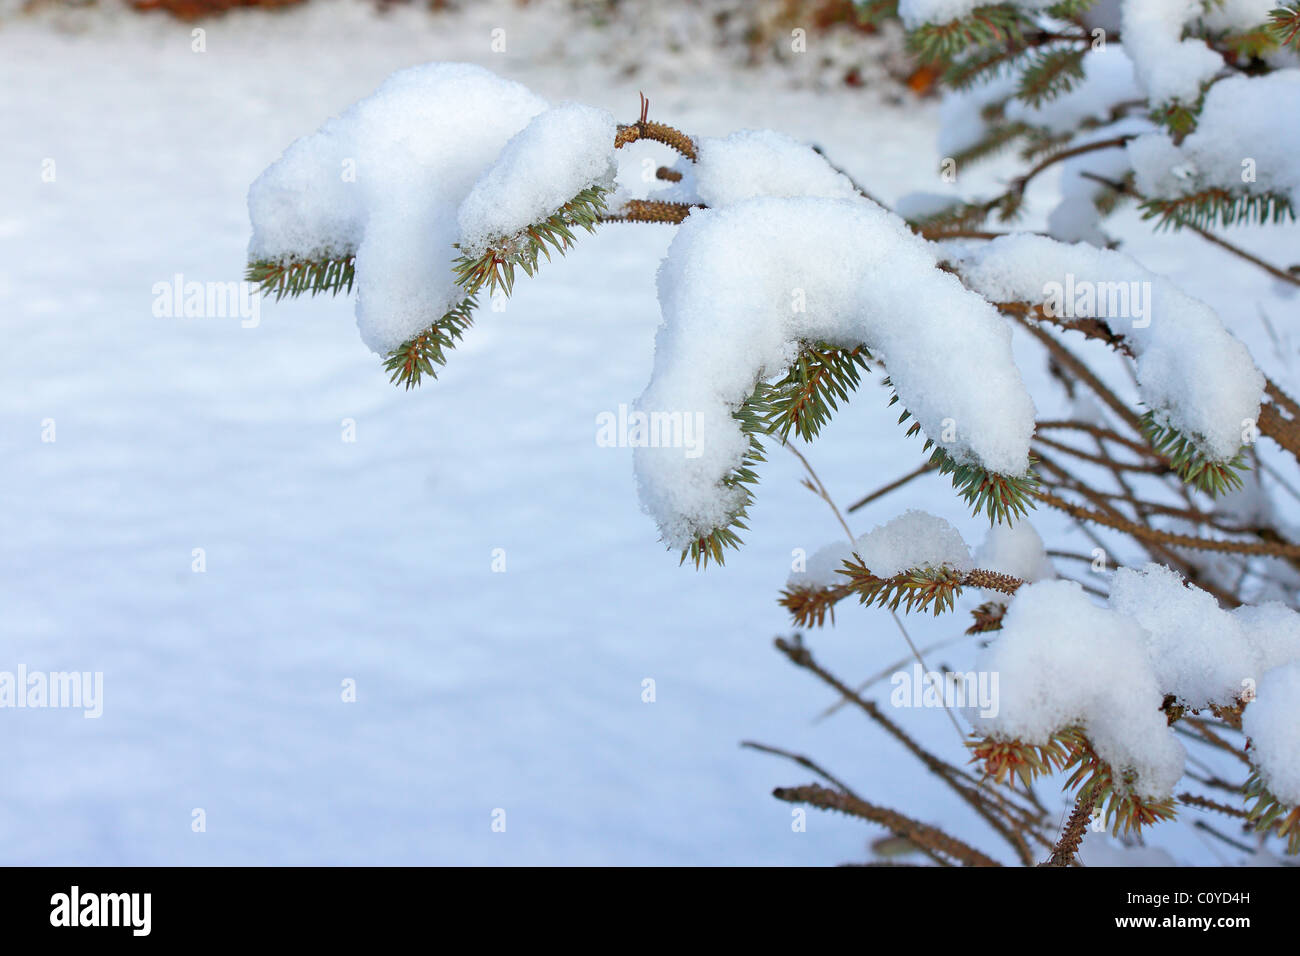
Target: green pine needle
930	588
1190	463
1002	24
1269	812
293	277
997	138
1284	25
710	545
1050	74
875	12
1004	498
804	398
1216	207
495	267
420	356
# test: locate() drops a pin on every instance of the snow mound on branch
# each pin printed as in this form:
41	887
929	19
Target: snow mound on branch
915	539
387	181
1239	122
1270	723
1063	661
743	285
560	153
751	163
1199	652
1017	550
1273	631
822	567
1168	67
917	12
1192	372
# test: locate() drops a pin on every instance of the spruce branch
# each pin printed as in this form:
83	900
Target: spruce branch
1006	817
420	356
1075	828
997	138
1126	189
803	399
293	277
644	128
917	589
987	617
1284	25
1051	73
495	266
1000	23
1217	207
1269	812
920	589
1004	498
652	210
875	12
921	834
1205	803
711	544
1147	534
1191	464
1251	44
1006	761
1097	782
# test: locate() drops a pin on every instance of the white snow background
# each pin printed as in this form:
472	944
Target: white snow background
372	561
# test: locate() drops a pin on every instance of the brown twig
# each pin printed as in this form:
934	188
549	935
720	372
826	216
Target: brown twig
644	128
921	834
1075	828
802	761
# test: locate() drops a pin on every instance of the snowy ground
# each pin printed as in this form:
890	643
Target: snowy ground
329	560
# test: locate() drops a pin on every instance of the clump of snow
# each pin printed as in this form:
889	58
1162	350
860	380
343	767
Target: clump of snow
1273	632
915	539
384	180
1167	66
822	567
1198	651
291	220
751	163
558	154
1063	661
1192	373
743	285
1270	722
1238	143
918	12
1017	550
